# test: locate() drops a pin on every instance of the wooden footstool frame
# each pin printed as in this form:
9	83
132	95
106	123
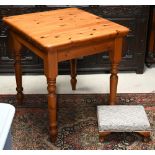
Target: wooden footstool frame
62	35
104	134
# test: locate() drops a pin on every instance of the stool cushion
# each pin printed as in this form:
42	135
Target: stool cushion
120	118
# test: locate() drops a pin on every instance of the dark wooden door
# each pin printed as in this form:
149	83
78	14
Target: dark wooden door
150	54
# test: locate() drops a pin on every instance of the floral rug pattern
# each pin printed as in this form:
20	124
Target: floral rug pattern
77	123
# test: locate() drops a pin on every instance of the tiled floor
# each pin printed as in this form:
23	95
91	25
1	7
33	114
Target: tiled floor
95	83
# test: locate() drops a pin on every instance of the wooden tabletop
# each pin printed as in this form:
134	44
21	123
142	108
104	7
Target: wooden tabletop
63	27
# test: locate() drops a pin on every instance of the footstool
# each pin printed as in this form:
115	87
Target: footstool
122	118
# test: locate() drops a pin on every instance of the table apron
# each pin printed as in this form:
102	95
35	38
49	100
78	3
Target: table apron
71	52
85	50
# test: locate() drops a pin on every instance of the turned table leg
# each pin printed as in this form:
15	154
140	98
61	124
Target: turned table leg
52	107
17	47
51	74
115	58
73	64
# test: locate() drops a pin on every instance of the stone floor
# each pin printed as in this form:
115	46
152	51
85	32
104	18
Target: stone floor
129	82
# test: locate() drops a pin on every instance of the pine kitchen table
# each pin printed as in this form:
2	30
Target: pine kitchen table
60	35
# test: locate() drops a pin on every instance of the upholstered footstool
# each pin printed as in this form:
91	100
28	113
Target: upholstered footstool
122	118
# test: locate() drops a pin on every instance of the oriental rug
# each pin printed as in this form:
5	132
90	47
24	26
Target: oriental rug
77	123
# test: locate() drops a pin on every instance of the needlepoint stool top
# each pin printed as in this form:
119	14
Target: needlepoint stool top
63	27
122	118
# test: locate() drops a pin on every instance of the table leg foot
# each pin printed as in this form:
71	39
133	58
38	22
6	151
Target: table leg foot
53	135
20	97
73	80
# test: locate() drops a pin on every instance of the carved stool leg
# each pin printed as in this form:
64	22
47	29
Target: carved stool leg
73	80
115	57
51	72
145	133
102	136
17	47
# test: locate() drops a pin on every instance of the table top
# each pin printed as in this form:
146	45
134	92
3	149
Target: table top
63	27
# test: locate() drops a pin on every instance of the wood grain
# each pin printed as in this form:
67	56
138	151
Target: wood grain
63	27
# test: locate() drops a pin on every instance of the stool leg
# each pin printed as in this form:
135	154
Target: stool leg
73	65
102	136
145	133
17	48
51	72
115	58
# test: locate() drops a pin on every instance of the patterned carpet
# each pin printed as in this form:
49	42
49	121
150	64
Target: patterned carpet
77	123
